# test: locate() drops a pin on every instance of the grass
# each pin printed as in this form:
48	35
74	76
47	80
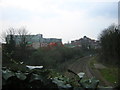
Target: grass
92	62
110	73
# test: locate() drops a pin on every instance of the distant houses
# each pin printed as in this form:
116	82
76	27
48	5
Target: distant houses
36	41
84	42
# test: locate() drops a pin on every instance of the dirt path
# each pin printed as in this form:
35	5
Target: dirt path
82	65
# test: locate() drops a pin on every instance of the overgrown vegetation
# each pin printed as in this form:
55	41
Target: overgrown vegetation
49	57
54	57
93	61
110	45
21	78
109	73
16	50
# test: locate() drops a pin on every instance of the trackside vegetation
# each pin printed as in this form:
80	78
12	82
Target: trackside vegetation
54	60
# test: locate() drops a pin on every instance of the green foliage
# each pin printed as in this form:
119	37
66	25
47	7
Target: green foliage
53	57
10	45
110	45
32	79
20	75
110	74
40	78
8	51
16	49
90	83
61	82
13	77
7	74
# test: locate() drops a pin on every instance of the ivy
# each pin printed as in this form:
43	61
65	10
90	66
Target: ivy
42	78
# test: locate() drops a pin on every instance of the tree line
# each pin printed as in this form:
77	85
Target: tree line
48	57
10	50
109	51
110	45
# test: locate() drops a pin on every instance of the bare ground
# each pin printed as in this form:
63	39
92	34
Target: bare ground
82	65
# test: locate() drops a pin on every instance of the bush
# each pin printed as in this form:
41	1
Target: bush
53	57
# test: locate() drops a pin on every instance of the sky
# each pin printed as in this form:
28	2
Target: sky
65	19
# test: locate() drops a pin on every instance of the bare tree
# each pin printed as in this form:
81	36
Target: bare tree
9	49
23	37
7	34
19	37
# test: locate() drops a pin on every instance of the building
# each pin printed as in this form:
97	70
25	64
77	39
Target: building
35	41
85	42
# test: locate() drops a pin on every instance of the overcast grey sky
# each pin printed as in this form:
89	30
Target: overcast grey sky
66	19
